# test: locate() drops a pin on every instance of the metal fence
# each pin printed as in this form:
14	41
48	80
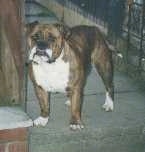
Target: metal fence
108	13
118	16
136	33
135	16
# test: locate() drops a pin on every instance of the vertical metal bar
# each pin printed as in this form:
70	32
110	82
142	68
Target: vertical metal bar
128	32
25	57
142	35
63	12
26	87
0	42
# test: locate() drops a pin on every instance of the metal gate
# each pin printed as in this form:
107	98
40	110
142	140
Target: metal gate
136	33
121	17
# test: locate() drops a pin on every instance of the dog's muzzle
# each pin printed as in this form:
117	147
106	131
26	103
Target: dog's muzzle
43	54
43	50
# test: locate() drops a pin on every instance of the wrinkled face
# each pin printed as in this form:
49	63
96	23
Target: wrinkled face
45	40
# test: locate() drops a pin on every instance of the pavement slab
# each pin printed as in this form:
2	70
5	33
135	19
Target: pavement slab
119	131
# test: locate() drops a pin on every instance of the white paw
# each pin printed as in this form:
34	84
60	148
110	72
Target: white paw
119	55
68	103
76	126
108	106
41	121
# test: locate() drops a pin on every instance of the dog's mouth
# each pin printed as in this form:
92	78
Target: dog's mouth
43	50
38	54
46	53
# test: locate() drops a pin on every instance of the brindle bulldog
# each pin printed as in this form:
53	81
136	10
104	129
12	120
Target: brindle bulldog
60	58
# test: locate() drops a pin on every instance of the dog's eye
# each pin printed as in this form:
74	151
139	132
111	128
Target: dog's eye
36	36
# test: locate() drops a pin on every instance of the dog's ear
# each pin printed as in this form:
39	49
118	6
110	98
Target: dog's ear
64	30
30	26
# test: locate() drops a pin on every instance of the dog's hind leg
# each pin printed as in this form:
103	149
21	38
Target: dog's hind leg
104	66
43	97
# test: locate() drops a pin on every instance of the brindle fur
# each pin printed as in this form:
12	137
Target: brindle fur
83	45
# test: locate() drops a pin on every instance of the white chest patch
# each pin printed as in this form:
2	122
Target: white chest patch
51	77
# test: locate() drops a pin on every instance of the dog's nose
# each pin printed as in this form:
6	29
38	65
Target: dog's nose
42	45
51	60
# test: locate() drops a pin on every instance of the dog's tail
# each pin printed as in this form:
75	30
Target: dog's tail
110	46
114	50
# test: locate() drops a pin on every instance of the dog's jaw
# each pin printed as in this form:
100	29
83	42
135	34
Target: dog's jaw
34	58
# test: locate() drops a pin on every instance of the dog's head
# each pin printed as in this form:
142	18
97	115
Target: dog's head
46	39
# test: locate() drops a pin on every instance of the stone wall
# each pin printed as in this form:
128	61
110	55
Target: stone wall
71	17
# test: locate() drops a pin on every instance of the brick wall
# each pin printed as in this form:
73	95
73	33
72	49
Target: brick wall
14	140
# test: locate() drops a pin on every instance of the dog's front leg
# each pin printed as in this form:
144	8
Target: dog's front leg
76	103
76	96
43	97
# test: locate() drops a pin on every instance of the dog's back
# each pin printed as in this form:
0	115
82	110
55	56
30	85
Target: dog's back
85	39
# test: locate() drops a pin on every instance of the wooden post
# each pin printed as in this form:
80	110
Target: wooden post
11	51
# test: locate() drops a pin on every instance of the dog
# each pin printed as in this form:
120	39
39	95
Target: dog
59	61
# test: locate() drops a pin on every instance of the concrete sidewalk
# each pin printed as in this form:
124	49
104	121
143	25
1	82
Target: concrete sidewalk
119	131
